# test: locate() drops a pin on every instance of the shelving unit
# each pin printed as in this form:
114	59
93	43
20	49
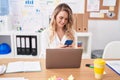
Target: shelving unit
10	38
85	38
7	37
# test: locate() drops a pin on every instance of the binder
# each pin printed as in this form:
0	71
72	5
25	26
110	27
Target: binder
18	44
23	50
27	45
34	45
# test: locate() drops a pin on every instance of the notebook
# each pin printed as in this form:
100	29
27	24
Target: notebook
23	66
63	58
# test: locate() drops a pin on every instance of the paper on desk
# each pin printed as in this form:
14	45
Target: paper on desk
15	67
114	65
32	66
14	78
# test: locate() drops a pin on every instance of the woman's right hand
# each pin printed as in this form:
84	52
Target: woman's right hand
64	46
61	46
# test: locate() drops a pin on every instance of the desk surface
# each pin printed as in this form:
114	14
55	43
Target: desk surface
82	73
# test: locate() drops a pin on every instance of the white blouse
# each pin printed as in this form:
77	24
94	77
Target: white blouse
45	43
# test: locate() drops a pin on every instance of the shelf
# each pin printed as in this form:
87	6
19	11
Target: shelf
85	38
28	37
7	37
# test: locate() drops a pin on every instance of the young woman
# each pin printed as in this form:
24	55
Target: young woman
60	29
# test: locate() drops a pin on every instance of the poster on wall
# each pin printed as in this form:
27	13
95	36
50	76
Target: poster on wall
77	6
93	5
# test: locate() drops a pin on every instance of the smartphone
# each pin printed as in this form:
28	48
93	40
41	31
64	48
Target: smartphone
68	42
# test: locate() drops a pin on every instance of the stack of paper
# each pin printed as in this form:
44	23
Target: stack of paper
114	65
23	66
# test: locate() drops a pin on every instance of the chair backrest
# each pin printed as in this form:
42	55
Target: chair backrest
112	50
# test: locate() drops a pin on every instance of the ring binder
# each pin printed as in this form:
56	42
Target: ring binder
27	45
34	45
18	40
23	45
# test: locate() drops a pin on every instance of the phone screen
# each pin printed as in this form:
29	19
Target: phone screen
68	42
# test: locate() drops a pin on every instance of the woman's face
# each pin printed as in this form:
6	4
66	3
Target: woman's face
62	19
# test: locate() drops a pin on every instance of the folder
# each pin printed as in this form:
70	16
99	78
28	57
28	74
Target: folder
18	43
80	22
79	18
85	22
75	21
27	45
34	45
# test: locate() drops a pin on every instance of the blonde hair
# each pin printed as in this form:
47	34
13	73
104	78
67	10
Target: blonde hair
69	32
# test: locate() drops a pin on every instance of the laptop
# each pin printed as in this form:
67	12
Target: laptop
63	58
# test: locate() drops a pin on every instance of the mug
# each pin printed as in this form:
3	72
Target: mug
99	66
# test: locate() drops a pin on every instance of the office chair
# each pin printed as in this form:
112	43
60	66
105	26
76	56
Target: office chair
112	50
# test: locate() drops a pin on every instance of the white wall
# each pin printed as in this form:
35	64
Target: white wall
104	31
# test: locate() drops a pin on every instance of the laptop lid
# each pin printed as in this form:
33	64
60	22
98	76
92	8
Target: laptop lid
63	58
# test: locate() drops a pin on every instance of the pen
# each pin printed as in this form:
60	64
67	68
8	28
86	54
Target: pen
89	65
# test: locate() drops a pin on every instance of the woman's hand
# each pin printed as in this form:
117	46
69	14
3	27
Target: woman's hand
61	46
65	46
69	46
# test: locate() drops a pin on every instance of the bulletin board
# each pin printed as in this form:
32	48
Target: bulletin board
105	12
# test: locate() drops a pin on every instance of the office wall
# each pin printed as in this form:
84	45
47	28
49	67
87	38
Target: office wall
104	31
